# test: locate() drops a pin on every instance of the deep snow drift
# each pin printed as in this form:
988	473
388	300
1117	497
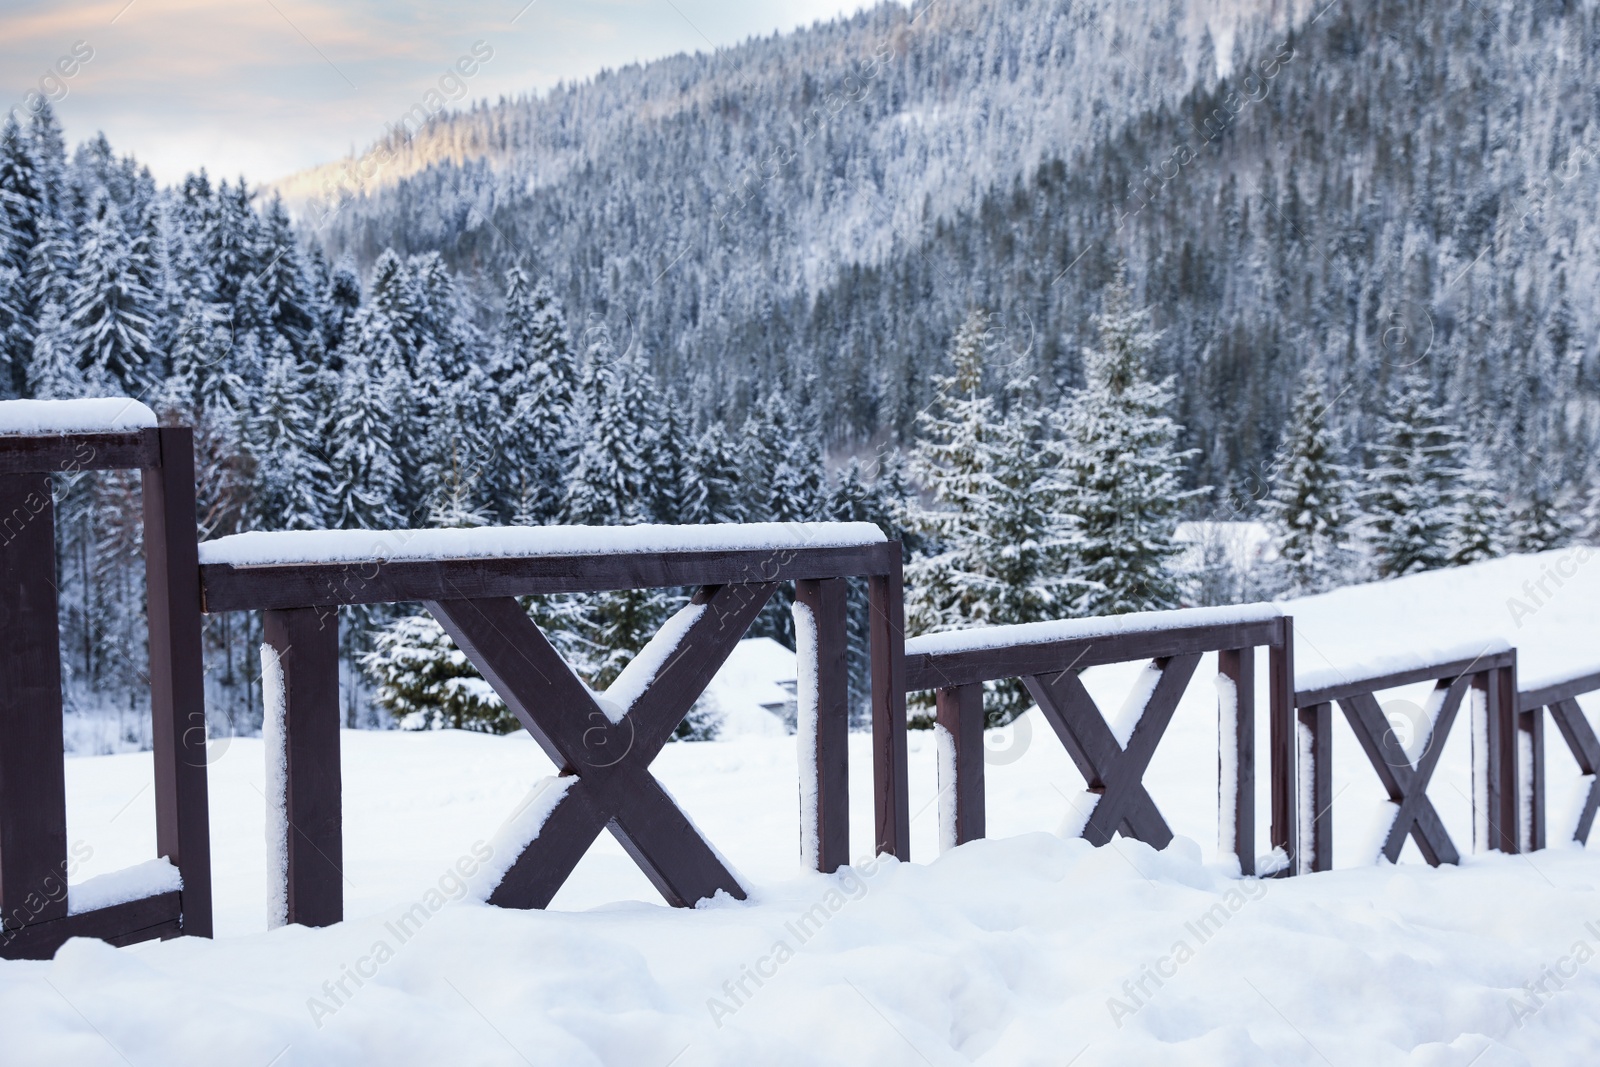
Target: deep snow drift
1022	949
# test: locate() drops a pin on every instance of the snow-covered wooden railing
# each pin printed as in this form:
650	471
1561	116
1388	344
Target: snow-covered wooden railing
38	909
602	743
1559	695
1488	673
1048	656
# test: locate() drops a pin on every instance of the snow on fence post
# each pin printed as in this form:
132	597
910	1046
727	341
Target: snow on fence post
959	725
300	676
823	722
1496	746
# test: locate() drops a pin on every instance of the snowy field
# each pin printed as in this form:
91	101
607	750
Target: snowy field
1023	949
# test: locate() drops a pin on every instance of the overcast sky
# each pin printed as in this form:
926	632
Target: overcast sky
266	87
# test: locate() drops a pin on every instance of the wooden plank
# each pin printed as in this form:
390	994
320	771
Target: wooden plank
1021	661
120	924
1578	734
1499	763
177	671
229	588
1455	668
1317	850
961	801
1281	739
1238	665
614	788
890	789
1124	805
1530	731
71	453
33	806
1548	695
827	601
307	645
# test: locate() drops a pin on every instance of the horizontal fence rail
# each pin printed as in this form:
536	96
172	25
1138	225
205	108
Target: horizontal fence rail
36	912
1048	657
602	756
1490	679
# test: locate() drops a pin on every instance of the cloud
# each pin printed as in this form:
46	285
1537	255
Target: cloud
268	87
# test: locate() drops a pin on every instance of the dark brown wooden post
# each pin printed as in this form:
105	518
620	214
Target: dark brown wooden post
1499	738
1238	666
306	642
961	806
891	794
177	679
1530	726
1317	848
1285	754
826	600
33	798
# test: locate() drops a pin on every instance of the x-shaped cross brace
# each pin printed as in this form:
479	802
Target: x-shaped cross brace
1407	783
1580	738
1114	772
610	759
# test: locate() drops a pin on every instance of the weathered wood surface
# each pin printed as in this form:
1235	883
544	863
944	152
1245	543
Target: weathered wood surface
33	805
120	924
946	670
230	588
306	644
177	671
614	788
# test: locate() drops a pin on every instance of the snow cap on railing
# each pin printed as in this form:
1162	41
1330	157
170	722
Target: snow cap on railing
261	549
105	414
1040	633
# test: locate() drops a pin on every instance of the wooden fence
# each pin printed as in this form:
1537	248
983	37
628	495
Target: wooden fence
1048	657
37	913
604	752
607	750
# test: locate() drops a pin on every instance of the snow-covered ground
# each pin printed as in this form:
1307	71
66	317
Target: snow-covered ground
1022	949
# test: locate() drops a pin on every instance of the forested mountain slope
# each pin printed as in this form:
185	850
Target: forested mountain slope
1386	181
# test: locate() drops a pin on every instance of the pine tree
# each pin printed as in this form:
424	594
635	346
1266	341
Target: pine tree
1410	500
1479	527
291	480
426	683
1125	472
52	367
1312	505
712	490
999	524
365	474
111	312
1543	520
535	374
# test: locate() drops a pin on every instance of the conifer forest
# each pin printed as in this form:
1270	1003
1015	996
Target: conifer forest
1063	296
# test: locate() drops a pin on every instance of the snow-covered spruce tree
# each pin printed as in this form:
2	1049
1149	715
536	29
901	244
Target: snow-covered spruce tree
1312	502
290	490
712	491
426	683
111	312
535	375
365	472
1544	519
456	473
999	525
1480	517
1123	468
1410	501
612	485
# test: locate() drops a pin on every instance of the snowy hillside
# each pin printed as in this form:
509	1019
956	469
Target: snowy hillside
1024	949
